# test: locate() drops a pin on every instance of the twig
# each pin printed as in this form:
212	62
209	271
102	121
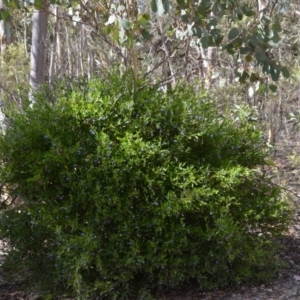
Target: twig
171	55
286	189
276	1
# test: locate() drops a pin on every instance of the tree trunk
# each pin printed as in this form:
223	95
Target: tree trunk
38	48
5	40
170	70
262	6
55	59
69	69
5	31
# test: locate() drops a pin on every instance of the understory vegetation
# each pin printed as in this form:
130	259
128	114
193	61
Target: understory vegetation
128	190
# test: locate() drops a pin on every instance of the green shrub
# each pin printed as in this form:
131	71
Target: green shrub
127	192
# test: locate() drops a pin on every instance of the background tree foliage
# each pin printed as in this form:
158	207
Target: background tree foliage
190	37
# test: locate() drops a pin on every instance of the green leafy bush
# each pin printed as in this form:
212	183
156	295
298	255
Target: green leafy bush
130	191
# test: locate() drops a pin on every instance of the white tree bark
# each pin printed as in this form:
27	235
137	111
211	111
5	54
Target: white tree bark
55	59
167	55
208	61
38	48
262	6
5	31
5	40
79	54
70	70
89	58
25	30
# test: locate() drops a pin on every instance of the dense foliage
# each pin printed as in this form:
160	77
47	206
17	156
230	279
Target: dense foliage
126	191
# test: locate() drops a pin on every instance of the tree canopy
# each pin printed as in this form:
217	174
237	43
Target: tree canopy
248	31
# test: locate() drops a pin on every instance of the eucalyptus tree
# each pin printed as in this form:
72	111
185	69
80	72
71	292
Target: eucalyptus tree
38	47
242	29
5	29
161	40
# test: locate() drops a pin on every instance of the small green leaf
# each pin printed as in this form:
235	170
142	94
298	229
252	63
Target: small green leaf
233	33
248	12
5	15
206	3
237	42
244	77
260	55
273	88
204	42
276	37
145	34
255	39
130	41
181	3
116	34
210	40
245	50
142	21
202	11
272	44
261	88
266	68
212	24
107	30
154	5
266	19
185	18
269	33
276	26
146	16
248	58
166	5
197	31
275	73
38	4
14	4
285	72
125	24
216	36
254	77
230	49
240	15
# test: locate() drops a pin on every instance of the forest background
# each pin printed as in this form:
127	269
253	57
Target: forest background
204	43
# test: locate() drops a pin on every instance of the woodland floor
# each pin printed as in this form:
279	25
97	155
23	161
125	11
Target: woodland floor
286	284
